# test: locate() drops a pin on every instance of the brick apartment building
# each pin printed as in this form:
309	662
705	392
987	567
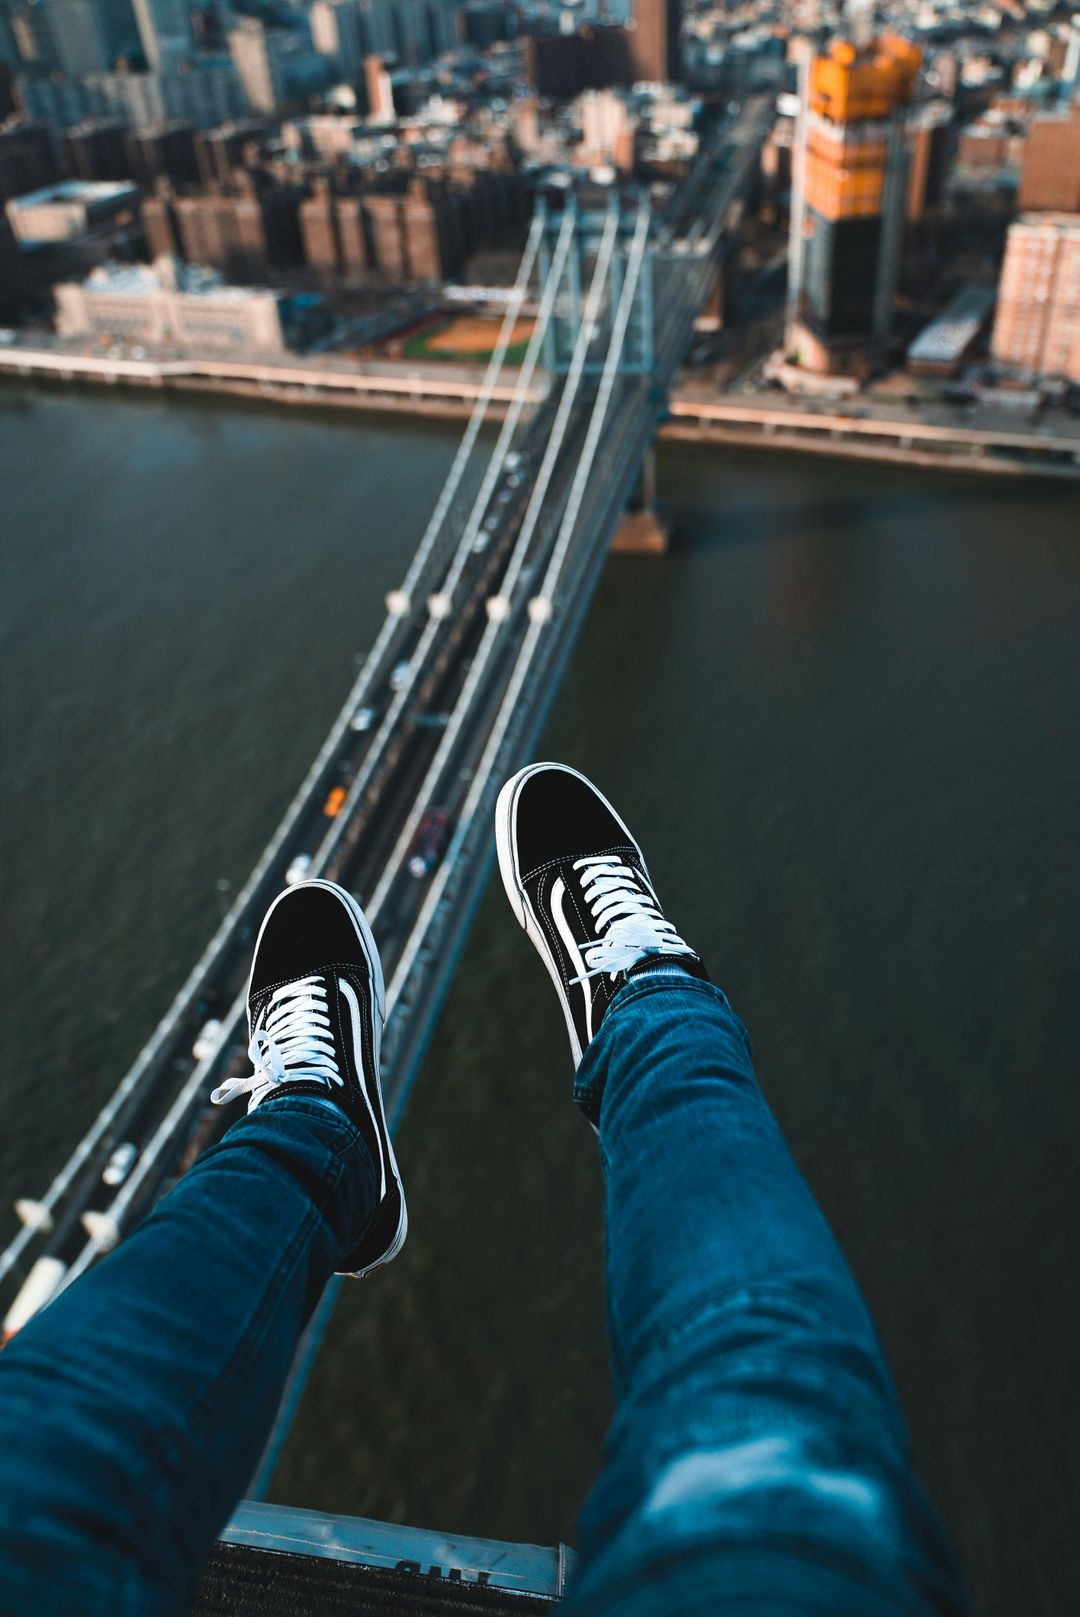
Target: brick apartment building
334	232
253	225
1037	328
1050	176
422	230
166	149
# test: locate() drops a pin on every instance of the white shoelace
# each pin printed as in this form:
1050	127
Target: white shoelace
293	1042
626	912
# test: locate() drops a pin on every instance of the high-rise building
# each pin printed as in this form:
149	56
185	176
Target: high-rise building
848	201
352	230
1037	326
412	28
337	33
255	224
275	65
28	34
654	40
318	231
9	49
27	159
929	143
563	65
165	32
78	35
159	222
97	150
165	149
1050	177
377	20
1070	68
219	152
484	22
380	94
387	235
120	27
253	48
446	20
207	95
432	223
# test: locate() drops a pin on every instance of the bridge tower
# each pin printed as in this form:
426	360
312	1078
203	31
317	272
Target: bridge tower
637	351
642	530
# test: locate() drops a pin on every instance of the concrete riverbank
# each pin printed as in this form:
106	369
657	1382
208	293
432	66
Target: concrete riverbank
1001	442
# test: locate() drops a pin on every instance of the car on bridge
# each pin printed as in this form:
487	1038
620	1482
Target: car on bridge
120	1164
335	802
298	869
206	1040
427	843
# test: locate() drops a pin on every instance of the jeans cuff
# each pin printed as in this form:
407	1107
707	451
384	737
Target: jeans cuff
589	1080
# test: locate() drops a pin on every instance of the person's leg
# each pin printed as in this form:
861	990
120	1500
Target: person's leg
758	1460
134	1408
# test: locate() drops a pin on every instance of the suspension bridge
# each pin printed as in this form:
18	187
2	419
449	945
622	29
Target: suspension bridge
452	693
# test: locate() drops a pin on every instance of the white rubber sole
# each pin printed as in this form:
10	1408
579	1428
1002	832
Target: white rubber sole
378	993
505	809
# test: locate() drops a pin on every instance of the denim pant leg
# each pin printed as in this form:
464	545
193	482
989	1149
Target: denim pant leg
758	1461
134	1408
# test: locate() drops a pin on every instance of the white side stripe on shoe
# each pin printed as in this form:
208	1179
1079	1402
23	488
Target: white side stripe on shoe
349	995
562	926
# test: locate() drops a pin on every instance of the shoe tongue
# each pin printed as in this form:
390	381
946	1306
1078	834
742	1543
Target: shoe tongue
565	863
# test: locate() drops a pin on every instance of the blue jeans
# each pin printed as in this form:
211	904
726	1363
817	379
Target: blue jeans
757	1462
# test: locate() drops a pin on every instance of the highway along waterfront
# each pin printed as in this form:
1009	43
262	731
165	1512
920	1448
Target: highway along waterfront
843	715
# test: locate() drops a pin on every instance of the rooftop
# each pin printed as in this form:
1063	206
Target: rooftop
947	338
76	191
166	274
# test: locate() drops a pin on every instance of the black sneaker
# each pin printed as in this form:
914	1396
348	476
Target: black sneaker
578	884
316	1007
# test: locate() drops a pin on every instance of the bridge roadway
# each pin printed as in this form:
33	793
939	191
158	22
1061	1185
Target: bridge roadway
459	682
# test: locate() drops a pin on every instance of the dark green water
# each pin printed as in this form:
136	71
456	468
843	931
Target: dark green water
843	715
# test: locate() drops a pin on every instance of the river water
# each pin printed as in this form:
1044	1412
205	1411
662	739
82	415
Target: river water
843	716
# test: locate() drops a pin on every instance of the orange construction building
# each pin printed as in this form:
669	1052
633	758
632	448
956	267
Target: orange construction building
848	206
